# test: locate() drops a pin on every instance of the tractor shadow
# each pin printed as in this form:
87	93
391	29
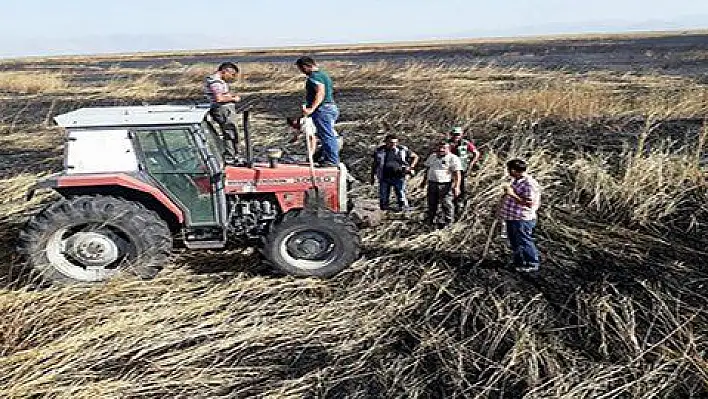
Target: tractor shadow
234	261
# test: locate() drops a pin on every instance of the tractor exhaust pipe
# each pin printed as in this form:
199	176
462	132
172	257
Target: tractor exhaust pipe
274	155
247	137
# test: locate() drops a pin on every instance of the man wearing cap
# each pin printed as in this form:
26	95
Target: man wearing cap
469	155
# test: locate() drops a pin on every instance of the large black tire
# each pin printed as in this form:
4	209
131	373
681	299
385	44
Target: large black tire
93	238
319	244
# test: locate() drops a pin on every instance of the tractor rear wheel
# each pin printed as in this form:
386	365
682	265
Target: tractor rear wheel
319	244
92	238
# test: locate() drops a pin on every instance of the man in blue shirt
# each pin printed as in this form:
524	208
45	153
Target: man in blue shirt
319	104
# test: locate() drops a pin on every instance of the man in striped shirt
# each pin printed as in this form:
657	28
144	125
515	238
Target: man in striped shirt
518	210
223	108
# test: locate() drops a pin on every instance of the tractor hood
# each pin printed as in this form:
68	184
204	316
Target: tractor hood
146	115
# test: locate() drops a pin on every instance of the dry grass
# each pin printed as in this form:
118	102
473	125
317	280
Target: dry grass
618	310
32	83
493	94
140	88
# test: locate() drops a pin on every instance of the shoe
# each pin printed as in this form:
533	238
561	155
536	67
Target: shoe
527	269
327	165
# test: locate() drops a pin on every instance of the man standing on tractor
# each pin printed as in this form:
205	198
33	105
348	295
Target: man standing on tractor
443	176
518	210
464	149
223	108
391	164
319	104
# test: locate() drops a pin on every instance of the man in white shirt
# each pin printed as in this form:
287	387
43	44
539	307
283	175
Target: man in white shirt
443	176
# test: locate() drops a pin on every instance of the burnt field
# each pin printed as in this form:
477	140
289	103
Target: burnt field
613	128
674	54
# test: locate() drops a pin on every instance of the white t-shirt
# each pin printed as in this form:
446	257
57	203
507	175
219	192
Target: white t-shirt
440	169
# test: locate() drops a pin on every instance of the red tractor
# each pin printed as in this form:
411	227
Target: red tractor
135	178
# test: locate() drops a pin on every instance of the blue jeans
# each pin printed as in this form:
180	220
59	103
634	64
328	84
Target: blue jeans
520	233
324	117
399	187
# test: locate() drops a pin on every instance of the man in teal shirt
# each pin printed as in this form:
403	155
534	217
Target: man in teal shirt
319	104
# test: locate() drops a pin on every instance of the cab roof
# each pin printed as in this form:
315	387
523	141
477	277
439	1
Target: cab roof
144	115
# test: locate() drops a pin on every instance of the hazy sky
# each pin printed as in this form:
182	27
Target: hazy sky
43	27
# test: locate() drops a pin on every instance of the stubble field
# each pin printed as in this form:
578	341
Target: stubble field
614	129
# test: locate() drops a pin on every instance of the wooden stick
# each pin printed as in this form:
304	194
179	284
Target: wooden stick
490	234
489	241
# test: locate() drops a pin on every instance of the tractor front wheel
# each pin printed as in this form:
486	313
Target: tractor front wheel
319	244
92	238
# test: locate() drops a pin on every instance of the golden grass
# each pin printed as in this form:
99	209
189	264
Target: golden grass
490	93
142	87
482	93
651	189
32	82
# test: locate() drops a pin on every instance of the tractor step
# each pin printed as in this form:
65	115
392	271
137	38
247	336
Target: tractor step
204	244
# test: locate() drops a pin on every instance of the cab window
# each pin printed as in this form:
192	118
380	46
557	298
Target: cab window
172	158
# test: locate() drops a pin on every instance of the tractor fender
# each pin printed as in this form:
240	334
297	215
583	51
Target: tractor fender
102	183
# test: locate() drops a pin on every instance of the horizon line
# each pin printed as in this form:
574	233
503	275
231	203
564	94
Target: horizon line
370	45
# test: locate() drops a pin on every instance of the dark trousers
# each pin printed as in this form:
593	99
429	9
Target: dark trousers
524	252
440	195
225	116
399	187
